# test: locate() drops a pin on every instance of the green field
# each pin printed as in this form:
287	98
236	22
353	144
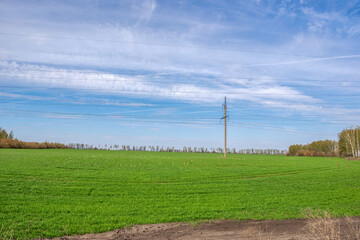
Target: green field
47	193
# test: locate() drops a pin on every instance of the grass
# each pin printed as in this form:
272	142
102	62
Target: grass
48	193
321	226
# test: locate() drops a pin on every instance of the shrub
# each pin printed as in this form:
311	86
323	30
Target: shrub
315	149
334	154
300	153
308	153
14	143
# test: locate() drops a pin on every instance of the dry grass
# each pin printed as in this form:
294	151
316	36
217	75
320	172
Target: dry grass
6	234
322	227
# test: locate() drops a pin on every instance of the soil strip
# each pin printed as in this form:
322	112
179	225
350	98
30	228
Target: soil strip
289	229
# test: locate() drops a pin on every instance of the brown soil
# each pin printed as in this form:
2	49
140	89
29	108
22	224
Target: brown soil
294	229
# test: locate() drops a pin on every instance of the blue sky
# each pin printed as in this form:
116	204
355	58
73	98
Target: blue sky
147	72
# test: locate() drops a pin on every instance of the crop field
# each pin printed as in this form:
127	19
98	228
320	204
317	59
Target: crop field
48	193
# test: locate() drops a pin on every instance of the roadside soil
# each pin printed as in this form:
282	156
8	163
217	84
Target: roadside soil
292	229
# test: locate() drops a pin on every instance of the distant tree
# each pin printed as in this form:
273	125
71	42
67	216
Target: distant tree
11	135
314	149
349	142
293	149
5	135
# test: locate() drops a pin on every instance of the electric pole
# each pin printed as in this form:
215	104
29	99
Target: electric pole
225	117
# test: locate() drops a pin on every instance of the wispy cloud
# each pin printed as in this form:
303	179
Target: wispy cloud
265	91
145	8
138	85
304	61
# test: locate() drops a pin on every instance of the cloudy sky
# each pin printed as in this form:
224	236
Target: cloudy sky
148	72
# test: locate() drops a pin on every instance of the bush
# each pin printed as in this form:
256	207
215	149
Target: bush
319	154
300	153
315	149
14	143
334	154
309	153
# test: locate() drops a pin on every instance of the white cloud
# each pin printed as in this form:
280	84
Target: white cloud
188	44
260	91
146	8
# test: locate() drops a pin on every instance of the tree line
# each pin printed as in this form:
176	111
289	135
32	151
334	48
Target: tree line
320	148
7	140
173	149
348	145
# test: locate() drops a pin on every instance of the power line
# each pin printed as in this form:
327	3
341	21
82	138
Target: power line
173	104
242	125
177	116
109	117
330	105
302	115
184	107
248	116
287	131
292	119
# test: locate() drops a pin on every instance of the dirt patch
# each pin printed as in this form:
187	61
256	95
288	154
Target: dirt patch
294	229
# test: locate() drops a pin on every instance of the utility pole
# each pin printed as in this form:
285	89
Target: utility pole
225	117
